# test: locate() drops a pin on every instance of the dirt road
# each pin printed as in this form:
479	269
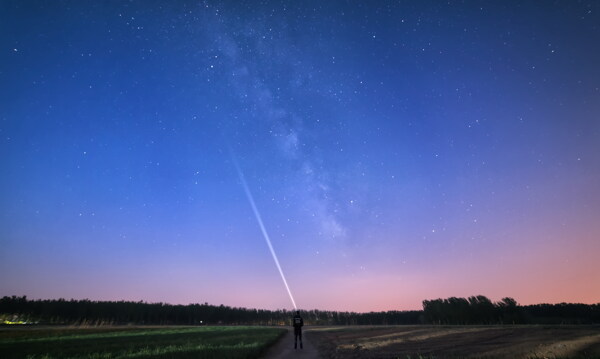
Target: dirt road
285	348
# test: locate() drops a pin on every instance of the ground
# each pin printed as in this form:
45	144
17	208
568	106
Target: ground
285	348
355	342
135	342
518	342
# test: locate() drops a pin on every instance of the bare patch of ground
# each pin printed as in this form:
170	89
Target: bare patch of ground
518	342
284	348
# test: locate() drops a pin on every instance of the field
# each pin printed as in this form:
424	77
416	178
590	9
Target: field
357	342
135	342
440	342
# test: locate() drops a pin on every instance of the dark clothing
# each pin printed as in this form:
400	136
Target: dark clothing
297	322
298	334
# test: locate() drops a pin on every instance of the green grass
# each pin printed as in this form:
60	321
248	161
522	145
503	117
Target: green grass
137	343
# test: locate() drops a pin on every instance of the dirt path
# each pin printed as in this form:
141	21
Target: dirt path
285	349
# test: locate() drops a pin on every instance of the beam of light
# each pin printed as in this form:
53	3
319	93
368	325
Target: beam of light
262	226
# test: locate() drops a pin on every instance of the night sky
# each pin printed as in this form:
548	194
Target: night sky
395	151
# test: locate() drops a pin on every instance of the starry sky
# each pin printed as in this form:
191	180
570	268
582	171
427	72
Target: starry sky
396	151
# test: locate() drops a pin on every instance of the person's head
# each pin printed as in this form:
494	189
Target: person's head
297	312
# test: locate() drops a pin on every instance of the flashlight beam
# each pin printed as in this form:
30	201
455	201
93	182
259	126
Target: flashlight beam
262	226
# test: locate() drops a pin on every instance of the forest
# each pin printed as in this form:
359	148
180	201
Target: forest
461	311
481	310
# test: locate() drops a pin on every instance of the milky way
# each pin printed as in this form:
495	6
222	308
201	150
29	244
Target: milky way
397	151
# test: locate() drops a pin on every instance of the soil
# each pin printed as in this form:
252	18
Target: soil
284	348
518	342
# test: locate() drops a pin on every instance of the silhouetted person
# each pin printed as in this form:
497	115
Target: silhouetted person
297	322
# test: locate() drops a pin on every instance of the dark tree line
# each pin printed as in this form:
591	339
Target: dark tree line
481	310
473	310
563	313
88	312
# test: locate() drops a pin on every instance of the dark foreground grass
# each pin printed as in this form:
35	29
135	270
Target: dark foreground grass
138	343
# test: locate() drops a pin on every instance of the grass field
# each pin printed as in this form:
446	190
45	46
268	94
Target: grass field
439	342
137	342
